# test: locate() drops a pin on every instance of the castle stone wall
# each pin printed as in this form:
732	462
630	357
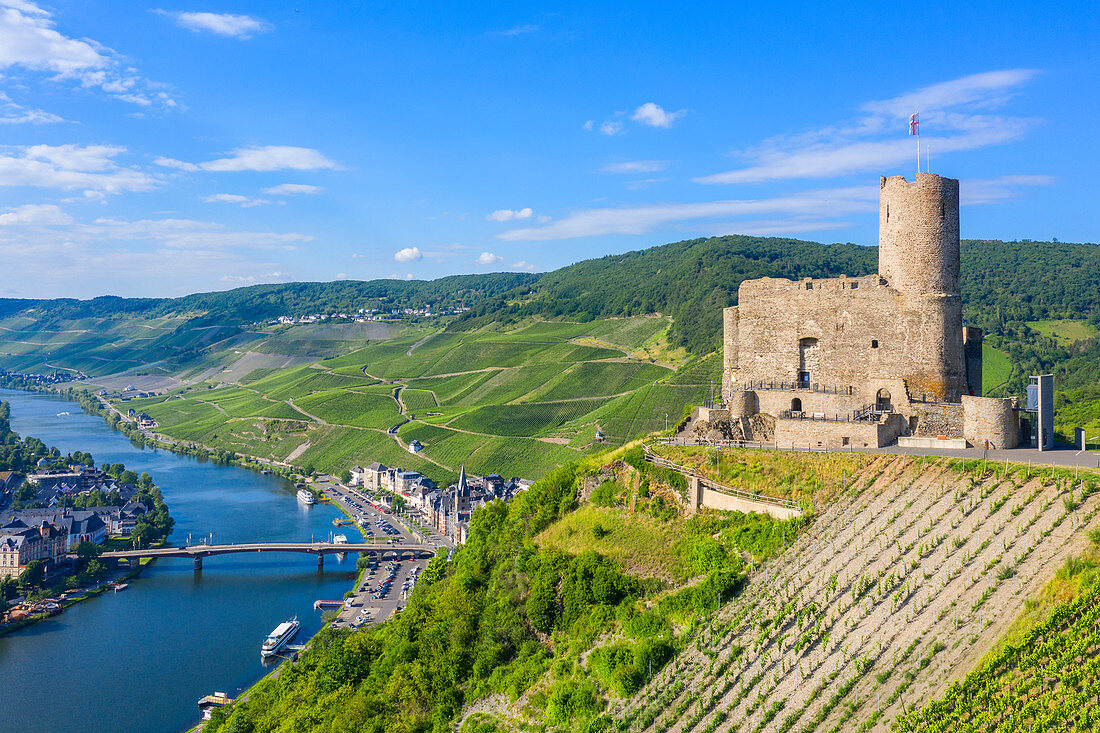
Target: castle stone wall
862	330
812	434
991	418
936	420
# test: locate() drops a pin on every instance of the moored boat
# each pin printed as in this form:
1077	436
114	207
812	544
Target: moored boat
306	496
278	638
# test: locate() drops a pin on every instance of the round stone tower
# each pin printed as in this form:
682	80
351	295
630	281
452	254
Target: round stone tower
918	241
919	257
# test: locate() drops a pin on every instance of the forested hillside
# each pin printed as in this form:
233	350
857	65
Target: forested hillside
691	281
261	302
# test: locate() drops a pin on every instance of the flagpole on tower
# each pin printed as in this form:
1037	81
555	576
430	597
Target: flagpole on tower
914	129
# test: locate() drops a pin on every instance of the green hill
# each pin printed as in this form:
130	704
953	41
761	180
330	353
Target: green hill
620	615
537	364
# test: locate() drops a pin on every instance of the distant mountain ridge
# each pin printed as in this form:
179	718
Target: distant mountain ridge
691	281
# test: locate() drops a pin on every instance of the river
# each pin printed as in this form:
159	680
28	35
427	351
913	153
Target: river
139	660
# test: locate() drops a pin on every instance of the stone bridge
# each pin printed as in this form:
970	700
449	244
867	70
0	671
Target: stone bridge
320	549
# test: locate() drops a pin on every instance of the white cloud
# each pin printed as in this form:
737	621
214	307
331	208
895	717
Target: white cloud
778	227
177	256
642	219
521	29
636	166
177	164
30	41
234	198
89	167
222	24
408	254
509	214
973	191
395	276
986	89
524	266
262	159
950	122
35	214
12	113
289	189
588	125
643	183
655	116
271	158
488	258
611	128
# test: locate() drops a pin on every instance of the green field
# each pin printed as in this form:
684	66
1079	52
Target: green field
1065	331
996	368
517	400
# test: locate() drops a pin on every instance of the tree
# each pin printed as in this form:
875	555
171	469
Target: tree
33	575
145	480
345	476
142	535
87	551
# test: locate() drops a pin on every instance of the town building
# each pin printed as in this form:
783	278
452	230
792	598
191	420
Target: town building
22	544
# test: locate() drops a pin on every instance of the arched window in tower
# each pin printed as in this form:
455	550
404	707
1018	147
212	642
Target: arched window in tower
796	405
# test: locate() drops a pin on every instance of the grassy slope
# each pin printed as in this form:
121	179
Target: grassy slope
996	369
1065	331
842	656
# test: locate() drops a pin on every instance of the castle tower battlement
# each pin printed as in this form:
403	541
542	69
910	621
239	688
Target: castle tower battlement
918	244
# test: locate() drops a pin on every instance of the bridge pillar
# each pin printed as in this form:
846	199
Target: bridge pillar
198	563
320	561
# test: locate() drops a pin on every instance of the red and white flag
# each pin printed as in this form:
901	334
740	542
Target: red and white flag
913	124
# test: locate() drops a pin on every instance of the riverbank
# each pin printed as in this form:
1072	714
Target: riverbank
78	595
201	630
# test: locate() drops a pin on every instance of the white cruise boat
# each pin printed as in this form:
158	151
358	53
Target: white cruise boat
306	496
278	638
340	539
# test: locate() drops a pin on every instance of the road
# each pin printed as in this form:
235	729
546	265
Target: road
1062	455
357	504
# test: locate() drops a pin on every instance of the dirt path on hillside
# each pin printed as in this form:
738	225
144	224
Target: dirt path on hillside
294	454
290	401
423	341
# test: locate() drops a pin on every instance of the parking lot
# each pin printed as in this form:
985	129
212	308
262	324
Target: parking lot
384	588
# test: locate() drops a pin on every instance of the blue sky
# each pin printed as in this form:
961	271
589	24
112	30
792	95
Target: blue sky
160	149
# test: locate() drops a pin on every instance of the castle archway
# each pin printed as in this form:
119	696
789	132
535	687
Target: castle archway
882	401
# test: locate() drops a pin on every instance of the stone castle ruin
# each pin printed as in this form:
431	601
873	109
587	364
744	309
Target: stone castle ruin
867	361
